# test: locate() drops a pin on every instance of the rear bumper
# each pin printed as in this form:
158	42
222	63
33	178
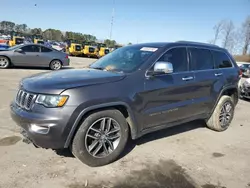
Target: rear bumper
66	62
44	130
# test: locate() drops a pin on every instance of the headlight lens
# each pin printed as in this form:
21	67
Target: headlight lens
52	100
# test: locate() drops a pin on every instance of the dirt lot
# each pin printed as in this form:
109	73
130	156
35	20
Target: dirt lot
189	155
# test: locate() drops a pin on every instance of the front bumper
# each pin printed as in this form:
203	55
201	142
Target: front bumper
46	129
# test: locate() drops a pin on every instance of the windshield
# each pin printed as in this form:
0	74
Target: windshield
125	59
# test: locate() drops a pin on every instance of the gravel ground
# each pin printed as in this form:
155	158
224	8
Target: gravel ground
188	155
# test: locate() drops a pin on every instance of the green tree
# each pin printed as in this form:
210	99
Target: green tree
7	26
110	43
53	34
36	31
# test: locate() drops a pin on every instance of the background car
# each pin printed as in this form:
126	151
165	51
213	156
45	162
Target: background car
3	46
245	69
33	55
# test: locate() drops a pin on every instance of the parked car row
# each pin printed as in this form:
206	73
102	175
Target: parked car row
33	55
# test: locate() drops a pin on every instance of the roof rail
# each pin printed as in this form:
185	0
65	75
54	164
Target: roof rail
201	43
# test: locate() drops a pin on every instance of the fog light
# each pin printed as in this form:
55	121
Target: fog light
39	128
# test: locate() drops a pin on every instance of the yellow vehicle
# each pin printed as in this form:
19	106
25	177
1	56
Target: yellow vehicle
89	49
102	50
15	39
38	39
73	47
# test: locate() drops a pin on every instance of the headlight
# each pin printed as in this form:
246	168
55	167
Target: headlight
52	100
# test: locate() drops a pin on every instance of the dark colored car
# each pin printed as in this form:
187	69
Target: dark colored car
135	90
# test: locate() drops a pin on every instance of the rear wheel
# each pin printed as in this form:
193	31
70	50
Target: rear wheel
4	62
101	138
222	115
55	65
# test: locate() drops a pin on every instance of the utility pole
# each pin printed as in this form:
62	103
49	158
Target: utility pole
112	20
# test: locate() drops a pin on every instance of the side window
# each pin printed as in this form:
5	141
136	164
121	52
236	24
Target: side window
178	57
221	60
31	48
201	59
44	49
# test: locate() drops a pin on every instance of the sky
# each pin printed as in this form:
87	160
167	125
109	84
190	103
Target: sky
135	21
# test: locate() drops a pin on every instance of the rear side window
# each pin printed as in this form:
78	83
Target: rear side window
178	57
221	60
44	49
201	59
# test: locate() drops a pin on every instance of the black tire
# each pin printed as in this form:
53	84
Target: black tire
214	121
6	62
58	65
79	146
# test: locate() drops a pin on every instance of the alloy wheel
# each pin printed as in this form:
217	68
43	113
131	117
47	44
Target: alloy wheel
56	65
3	62
103	137
226	114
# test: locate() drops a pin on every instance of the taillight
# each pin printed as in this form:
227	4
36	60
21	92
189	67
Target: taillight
67	57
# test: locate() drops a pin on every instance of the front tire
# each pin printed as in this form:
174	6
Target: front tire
101	138
4	62
55	65
222	115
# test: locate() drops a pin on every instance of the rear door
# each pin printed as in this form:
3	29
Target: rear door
169	97
225	68
209	81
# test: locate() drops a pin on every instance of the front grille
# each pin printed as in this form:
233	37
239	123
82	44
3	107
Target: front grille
25	100
91	50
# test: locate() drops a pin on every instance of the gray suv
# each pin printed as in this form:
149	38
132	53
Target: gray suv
128	93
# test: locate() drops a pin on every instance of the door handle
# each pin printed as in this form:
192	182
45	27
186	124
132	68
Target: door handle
187	78
218	74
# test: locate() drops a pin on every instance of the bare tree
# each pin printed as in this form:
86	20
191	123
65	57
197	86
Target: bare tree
217	30
246	35
227	32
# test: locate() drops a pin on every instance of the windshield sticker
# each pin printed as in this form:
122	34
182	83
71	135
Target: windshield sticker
148	49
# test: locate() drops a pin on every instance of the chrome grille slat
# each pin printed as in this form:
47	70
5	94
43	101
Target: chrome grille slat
25	99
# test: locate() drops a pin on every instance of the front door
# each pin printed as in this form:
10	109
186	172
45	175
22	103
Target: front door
169	97
29	56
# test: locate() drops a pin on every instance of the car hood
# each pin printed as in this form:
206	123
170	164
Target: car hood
57	81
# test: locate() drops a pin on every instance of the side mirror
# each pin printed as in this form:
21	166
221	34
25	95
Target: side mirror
19	50
162	67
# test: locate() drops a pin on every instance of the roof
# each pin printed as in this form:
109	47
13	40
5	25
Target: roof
164	44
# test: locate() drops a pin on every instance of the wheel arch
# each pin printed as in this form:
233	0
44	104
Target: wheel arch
231	91
121	106
7	58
